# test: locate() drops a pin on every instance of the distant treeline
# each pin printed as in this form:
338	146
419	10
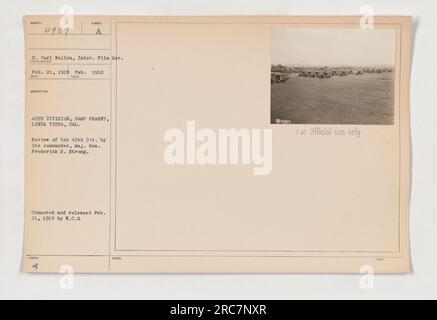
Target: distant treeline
370	69
281	68
280	72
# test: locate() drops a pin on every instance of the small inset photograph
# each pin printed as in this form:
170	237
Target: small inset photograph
333	76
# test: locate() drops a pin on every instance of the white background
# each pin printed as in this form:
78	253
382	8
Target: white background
418	285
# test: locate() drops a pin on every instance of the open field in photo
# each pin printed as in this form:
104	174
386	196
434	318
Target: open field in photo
366	99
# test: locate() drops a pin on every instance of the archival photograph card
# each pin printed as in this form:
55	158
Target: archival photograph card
217	144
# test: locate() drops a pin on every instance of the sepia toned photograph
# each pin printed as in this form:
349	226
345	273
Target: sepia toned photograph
333	76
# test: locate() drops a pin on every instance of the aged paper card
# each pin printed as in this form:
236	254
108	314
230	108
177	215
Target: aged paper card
217	144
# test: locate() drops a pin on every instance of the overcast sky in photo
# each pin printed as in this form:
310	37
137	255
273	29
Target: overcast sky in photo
333	47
